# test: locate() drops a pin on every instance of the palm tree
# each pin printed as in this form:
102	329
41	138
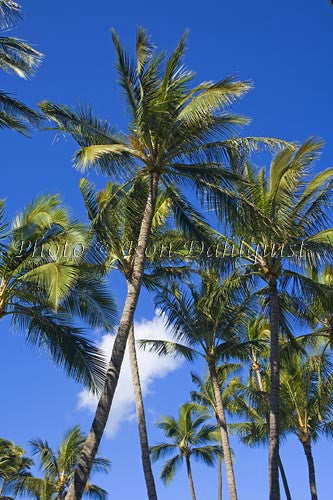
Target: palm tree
286	232
177	135
307	398
204	397
45	282
257	329
58	468
14	469
251	402
207	323
17	57
190	435
115	214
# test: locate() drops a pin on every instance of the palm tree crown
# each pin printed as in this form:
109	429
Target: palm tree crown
58	468
46	281
189	436
14	469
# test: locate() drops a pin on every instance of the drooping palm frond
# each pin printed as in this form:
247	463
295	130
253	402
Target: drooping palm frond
16	115
18	57
67	345
40	273
10	12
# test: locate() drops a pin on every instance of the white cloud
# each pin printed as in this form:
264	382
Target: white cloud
151	367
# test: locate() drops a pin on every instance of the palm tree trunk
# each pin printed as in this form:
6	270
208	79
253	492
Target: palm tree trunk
312	474
219	478
224	433
284	480
140	413
134	282
259	379
274	400
190	478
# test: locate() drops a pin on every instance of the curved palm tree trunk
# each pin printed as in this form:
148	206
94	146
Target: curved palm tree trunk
134	282
190	478
224	433
219	478
312	474
140	413
284	480
274	400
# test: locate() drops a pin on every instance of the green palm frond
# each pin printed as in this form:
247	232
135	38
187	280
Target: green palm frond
10	12
18	57
67	345
16	115
170	468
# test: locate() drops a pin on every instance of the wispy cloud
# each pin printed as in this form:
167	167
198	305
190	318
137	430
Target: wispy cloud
151	367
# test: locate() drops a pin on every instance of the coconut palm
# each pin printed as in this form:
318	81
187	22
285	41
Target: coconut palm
189	436
178	135
115	214
204	397
46	281
210	329
251	402
14	469
307	398
18	57
58	468
258	329
286	232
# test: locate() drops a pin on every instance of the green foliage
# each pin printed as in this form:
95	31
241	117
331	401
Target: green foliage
45	283
58	468
183	133
19	58
206	321
189	435
14	469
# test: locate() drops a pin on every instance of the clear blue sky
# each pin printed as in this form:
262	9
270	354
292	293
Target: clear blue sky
285	47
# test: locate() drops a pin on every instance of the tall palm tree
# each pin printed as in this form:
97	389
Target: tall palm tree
286	232
251	402
46	281
204	397
210	329
18	57
307	399
115	214
14	469
178	135
190	436
58	468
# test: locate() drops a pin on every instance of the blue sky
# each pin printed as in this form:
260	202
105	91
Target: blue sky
286	49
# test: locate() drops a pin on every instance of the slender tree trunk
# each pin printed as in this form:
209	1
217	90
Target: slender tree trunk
134	282
190	478
224	433
219	478
284	480
140	413
259	379
312	474
274	400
